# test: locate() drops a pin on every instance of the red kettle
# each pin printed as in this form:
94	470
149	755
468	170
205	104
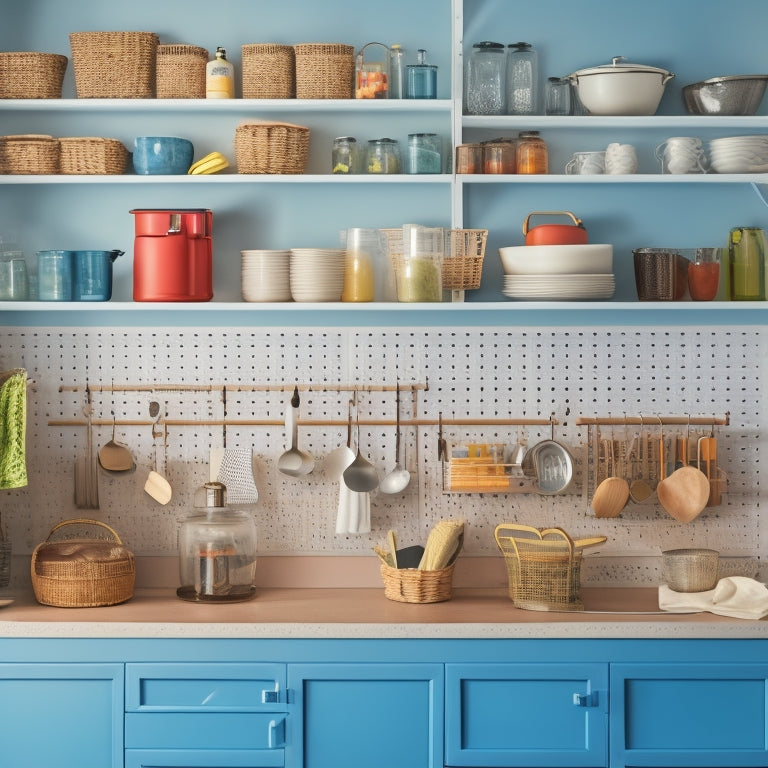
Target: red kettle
172	255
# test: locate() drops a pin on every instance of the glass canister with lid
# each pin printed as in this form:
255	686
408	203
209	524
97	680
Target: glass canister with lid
424	153
344	155
532	154
485	79
217	551
383	156
522	80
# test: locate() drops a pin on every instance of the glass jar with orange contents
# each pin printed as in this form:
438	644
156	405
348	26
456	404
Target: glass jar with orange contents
532	154
499	156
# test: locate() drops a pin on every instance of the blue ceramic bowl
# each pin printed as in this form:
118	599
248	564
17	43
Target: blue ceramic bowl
159	155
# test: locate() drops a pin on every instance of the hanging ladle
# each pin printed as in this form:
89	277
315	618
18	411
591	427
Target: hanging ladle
294	462
156	485
115	458
398	478
360	475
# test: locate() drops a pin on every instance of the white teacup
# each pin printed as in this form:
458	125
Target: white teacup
620	159
682	154
582	163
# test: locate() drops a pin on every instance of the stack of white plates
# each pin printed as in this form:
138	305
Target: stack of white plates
317	274
739	154
559	287
265	275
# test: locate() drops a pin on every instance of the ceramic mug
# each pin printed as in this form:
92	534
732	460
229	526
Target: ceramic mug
583	163
620	159
682	154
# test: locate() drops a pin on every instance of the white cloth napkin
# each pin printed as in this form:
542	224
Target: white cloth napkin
737	596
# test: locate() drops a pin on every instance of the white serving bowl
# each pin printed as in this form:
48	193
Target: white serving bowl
589	259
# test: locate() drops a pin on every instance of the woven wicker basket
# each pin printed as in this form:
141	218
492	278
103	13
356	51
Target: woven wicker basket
543	566
29	154
269	71
324	70
181	71
114	65
271	148
5	564
411	585
82	571
93	156
462	268
31	75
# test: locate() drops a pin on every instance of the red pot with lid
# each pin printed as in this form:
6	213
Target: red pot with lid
555	234
172	256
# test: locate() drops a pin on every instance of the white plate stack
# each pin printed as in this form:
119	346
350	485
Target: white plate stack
558	287
739	154
265	275
317	274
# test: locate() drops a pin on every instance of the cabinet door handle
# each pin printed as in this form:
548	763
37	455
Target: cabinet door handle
271	697
276	734
585	699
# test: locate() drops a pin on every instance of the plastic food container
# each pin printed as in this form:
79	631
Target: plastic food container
661	274
93	275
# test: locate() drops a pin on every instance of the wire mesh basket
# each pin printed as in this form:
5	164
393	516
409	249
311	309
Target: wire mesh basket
543	566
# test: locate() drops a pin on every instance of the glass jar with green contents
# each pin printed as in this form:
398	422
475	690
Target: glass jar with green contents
383	156
344	154
418	271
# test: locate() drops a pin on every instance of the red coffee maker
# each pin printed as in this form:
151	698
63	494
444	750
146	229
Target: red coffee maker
173	255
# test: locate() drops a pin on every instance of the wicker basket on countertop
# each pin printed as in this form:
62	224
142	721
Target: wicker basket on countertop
92	155
29	154
80	570
181	71
115	65
324	70
269	71
412	585
31	75
264	147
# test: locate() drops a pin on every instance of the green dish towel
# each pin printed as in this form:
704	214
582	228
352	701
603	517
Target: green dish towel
13	429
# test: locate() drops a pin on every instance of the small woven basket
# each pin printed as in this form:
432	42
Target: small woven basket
269	71
31	75
114	65
271	148
690	570
82	571
543	566
29	154
181	71
462	268
324	70
5	563
412	585
92	156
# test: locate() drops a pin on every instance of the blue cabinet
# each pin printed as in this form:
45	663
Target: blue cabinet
367	715
526	714
689	714
61	715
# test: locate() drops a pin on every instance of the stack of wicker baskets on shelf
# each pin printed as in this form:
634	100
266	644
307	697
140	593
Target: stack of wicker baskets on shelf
115	65
181	71
267	147
31	75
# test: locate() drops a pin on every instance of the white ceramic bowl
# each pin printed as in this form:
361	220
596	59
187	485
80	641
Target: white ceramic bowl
589	259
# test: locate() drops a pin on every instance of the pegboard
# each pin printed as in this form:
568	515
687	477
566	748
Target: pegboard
483	373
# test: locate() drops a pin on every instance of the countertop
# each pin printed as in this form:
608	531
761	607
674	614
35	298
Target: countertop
366	613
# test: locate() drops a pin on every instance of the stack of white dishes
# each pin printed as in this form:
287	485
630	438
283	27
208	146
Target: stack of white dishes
317	274
265	275
558	272
739	154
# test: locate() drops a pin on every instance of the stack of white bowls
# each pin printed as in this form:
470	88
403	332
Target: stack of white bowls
739	154
317	274
558	272
265	275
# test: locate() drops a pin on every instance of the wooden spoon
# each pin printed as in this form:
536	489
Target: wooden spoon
612	494
639	489
684	494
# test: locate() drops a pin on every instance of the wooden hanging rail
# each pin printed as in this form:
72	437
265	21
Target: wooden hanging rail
243	387
651	421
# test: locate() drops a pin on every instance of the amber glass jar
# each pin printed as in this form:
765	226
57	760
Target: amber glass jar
532	154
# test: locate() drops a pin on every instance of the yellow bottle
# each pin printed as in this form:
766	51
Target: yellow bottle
220	77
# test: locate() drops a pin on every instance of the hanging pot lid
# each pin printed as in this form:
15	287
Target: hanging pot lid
619	64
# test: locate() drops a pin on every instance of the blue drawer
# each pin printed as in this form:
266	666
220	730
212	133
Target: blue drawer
186	758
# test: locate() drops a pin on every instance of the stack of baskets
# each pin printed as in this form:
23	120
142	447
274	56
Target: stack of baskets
115	65
267	147
462	267
31	75
543	566
82	570
181	71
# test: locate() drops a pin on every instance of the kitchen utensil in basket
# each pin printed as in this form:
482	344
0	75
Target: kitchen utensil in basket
31	75
543	566
690	570
81	570
411	585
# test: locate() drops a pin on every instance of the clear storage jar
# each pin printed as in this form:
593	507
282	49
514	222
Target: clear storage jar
383	156
522	80
484	79
424	153
532	154
344	155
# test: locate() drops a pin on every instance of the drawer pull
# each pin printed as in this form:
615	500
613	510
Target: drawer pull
276	734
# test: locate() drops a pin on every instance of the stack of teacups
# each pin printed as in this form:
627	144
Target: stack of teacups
317	274
682	154
265	275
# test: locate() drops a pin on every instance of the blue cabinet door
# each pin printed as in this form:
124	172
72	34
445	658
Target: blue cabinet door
61	715
365	715
526	714
689	715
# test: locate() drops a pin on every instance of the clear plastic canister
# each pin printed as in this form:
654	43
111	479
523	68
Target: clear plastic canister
418	272
485	79
363	254
54	275
424	153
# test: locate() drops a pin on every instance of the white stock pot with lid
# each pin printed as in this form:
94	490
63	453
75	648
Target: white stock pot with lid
620	88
